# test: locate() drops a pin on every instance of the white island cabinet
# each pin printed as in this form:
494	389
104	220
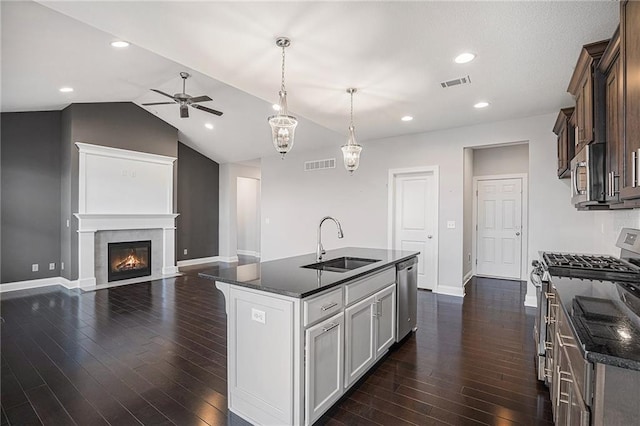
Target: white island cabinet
290	359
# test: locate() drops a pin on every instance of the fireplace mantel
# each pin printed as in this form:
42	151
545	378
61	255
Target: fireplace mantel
122	190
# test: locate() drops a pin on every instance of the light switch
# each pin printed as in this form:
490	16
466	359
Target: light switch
451	224
258	315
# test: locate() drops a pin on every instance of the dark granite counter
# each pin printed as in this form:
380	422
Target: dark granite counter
287	277
604	317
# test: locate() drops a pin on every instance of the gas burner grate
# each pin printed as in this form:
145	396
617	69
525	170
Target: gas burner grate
590	266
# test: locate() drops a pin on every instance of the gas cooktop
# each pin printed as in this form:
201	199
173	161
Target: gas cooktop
588	266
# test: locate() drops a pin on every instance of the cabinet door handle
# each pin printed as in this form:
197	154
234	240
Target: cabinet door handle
329	306
634	169
379	303
329	326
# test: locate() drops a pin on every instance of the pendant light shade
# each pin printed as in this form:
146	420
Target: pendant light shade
283	125
351	151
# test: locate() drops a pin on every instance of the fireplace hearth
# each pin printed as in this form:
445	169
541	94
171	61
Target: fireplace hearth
131	259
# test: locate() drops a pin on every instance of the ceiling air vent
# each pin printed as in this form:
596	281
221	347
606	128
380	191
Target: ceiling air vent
329	163
456	82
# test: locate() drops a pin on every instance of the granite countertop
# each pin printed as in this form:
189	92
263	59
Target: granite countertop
287	277
609	332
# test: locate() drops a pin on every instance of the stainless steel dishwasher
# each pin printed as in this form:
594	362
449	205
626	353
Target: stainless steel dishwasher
407	297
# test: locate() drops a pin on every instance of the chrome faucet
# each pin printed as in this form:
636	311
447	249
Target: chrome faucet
320	250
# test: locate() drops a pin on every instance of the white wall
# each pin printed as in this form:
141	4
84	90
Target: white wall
467	229
501	160
294	201
248	216
228	186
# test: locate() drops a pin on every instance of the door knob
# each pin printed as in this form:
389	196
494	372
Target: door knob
517	234
429	236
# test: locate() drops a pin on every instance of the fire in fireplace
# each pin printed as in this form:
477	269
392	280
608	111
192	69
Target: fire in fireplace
131	259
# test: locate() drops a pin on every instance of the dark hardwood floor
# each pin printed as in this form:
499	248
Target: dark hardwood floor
155	353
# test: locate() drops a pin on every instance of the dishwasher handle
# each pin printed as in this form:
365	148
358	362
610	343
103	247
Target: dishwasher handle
407	264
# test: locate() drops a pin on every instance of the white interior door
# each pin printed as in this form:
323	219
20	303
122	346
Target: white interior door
499	231
415	222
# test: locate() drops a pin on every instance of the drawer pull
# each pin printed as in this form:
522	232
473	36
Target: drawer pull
329	326
329	306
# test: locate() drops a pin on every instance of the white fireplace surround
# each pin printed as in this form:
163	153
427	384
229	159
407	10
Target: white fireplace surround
123	190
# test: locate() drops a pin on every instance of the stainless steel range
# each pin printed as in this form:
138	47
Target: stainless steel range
625	269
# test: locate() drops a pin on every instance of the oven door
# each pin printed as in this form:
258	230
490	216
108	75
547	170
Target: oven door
540	325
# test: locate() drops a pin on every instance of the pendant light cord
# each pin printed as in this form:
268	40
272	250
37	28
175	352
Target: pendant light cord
282	84
351	125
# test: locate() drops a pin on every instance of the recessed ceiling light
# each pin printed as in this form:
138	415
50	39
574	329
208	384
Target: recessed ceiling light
276	107
209	126
463	58
407	118
66	89
119	43
481	105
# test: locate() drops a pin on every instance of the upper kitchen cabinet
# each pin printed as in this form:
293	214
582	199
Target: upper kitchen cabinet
609	66
630	67
565	132
587	86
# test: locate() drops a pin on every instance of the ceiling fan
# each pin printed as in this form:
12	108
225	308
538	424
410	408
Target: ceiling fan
185	100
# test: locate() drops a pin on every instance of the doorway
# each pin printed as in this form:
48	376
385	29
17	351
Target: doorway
413	218
500	232
248	216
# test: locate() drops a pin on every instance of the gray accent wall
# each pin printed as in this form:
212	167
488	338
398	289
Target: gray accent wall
121	125
31	203
198	205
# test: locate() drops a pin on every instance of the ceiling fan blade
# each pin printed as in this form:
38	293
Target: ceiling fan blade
209	110
162	93
184	111
203	98
160	103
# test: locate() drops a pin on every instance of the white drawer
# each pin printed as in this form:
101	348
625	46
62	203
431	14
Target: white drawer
323	306
368	285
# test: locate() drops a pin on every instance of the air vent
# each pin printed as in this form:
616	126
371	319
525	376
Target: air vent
329	163
456	82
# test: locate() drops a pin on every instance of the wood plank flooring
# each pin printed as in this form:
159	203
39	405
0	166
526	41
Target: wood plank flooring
155	354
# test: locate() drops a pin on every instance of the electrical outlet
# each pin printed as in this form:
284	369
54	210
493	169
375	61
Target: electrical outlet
258	316
62	266
451	224
185	251
52	266
67	223
34	267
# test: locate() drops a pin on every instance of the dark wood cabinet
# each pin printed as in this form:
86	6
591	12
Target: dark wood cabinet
630	69
587	86
564	129
609	66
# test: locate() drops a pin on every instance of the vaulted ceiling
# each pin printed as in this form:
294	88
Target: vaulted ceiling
396	54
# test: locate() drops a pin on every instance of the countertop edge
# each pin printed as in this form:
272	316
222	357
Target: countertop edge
366	271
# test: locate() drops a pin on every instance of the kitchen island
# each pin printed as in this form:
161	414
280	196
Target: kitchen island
298	337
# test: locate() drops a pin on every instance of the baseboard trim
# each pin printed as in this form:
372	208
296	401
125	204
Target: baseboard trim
531	301
198	261
450	290
467	278
249	253
42	282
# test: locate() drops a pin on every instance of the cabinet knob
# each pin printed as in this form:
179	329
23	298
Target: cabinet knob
517	234
429	236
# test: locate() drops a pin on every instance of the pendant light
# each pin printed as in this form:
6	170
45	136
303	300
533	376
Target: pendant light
283	125
351	151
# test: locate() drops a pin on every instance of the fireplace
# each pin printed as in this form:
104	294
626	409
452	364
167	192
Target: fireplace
131	259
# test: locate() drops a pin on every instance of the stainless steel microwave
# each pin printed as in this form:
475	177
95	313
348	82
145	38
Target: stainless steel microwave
588	176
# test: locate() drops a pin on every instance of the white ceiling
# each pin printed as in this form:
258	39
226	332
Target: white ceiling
395	53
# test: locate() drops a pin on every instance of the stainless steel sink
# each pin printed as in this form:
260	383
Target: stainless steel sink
341	264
